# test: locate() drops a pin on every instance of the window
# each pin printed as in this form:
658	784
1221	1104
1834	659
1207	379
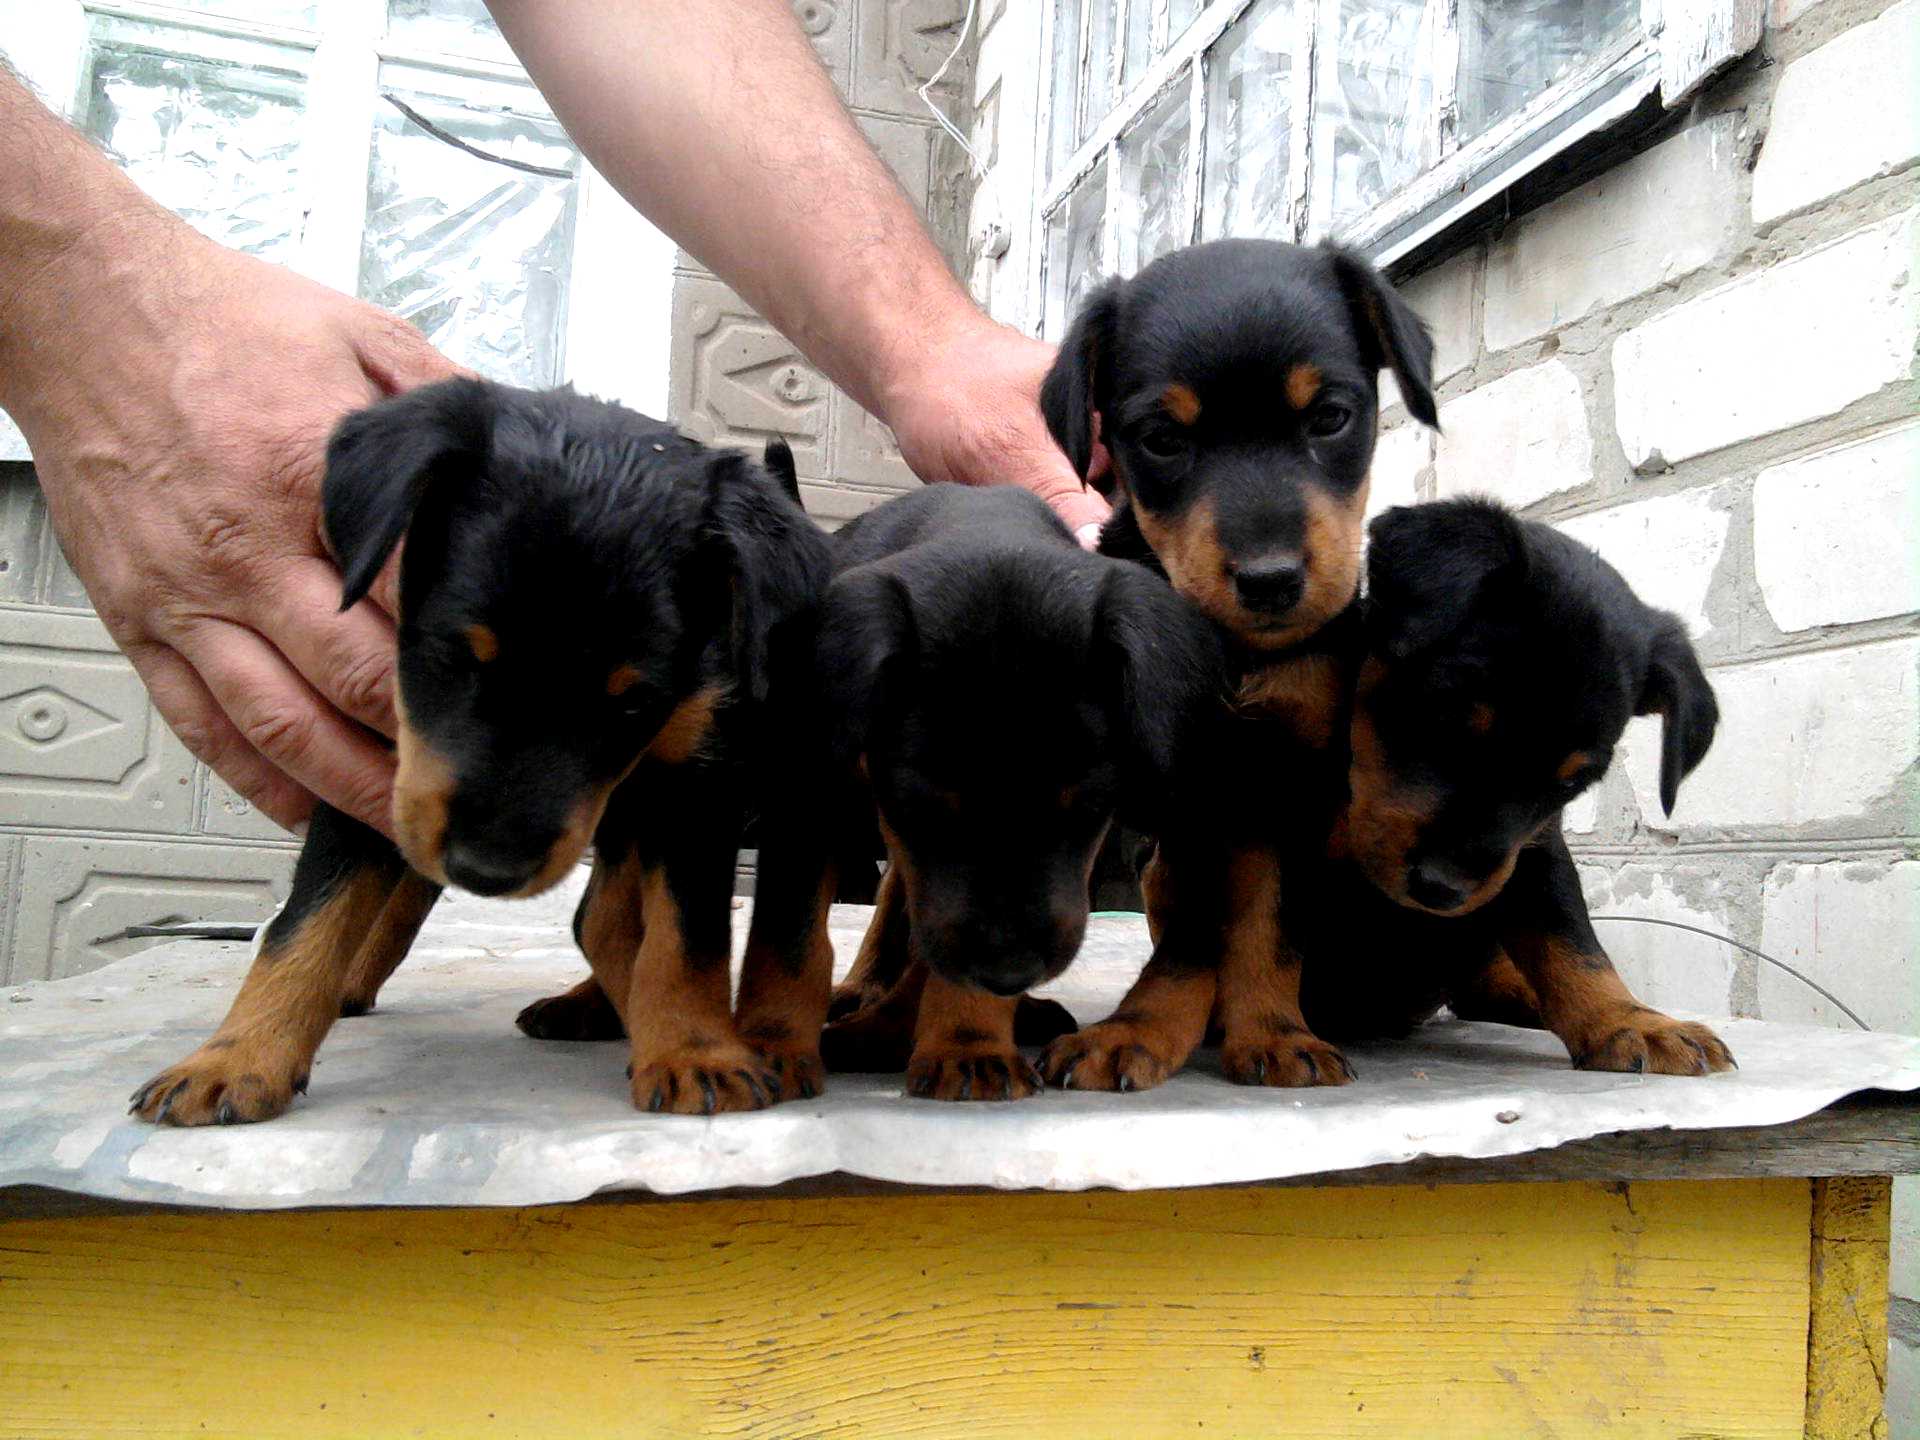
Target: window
1377	122
326	135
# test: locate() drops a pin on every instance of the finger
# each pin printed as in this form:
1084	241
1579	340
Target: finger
190	710
293	727
347	657
394	355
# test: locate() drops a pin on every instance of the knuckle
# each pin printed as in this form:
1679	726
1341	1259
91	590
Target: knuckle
284	735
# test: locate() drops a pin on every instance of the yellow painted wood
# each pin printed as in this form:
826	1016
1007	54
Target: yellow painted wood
1666	1309
1847	1320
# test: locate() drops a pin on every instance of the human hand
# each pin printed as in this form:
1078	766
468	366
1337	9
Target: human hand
179	437
967	409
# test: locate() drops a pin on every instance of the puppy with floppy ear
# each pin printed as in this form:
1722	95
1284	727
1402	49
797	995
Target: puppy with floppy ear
592	611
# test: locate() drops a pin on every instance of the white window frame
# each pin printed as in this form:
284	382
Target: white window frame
1679	44
620	291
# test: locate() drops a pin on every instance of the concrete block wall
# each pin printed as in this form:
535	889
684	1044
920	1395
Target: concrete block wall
1702	364
106	821
737	381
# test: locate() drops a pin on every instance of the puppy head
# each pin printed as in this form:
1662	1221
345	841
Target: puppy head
1001	706
1236	388
572	597
1504	661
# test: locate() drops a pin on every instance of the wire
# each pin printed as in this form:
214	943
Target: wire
953	130
1812	985
554	172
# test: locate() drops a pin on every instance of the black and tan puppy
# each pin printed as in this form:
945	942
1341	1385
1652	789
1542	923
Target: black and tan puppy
591	610
996	696
1502	661
1235	386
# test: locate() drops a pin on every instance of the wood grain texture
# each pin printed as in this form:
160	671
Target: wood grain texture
1552	1309
1847	1320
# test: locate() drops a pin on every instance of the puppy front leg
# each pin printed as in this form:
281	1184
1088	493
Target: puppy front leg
963	1047
787	973
261	1055
393	935
883	956
1266	1038
607	928
1581	996
688	1059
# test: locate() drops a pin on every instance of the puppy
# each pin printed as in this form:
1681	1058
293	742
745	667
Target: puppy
1235	386
995	696
1502	661
592	609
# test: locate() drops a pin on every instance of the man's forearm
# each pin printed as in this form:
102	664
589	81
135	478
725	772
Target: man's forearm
60	200
716	121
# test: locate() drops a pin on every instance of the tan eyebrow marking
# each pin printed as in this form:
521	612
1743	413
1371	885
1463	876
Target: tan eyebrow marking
1571	766
622	678
1480	718
1303	383
1181	403
483	642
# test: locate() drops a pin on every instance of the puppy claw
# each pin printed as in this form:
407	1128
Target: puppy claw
972	1074
1645	1042
1114	1055
238	1083
716	1079
1285	1061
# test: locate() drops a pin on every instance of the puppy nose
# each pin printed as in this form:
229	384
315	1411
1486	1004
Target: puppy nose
483	871
1439	885
1273	583
1009	975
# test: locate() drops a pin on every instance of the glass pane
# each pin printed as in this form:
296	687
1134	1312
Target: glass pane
1066	81
457	27
1380	103
1153	183
474	253
1513	50
1180	14
1074	259
1249	105
1139	41
215	138
1099	96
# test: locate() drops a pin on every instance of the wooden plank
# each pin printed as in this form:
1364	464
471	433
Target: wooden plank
1571	1309
1847	1312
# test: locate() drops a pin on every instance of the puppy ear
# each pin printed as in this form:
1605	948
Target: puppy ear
381	460
1676	690
1429	566
779	463
1394	336
771	557
1167	668
1080	383
867	639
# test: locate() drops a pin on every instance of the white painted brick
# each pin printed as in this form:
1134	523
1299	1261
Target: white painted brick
1843	114
1667	969
13	445
1833	534
1905	1276
1582	817
1854	926
1520	438
1443	297
1666	548
1781	13
1645	223
1398	460
1903	1377
1804	739
1792	343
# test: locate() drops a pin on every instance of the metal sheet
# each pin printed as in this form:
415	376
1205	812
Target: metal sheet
436	1100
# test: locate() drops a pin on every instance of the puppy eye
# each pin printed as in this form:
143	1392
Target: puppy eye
1328	421
1163	444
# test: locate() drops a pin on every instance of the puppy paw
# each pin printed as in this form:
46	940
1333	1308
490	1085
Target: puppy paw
1643	1041
582	1013
1041	1022
972	1073
794	1063
703	1080
876	1040
224	1082
1285	1060
1113	1055
852	996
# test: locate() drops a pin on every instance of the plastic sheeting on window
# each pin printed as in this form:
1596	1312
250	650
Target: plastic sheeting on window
1075	241
1380	104
455	27
476	254
1065	83
216	138
305	14
1249	106
1513	50
1153	183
